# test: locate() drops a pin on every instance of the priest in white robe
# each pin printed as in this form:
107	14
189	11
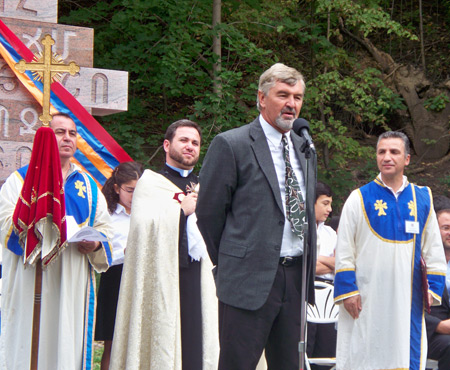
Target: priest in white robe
385	228
167	311
68	282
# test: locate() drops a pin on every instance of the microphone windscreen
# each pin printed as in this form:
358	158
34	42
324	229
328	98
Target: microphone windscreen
299	124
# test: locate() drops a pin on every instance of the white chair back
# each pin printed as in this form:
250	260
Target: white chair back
324	310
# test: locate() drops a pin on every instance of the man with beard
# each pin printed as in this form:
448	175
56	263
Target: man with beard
167	310
252	184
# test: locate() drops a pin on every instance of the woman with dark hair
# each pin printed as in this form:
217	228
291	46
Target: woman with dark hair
118	191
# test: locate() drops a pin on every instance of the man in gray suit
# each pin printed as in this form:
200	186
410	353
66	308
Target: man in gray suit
242	216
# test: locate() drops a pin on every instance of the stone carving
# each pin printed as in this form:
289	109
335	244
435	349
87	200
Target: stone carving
101	92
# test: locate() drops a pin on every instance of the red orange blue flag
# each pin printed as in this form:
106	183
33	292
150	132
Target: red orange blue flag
98	153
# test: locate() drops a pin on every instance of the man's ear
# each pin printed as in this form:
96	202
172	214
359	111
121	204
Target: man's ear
261	99
408	158
166	145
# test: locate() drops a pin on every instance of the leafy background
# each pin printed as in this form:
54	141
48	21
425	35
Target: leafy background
166	46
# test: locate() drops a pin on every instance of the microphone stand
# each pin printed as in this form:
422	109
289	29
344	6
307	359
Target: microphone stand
310	154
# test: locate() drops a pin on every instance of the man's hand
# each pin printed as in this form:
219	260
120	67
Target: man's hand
189	203
443	327
87	247
430	299
353	305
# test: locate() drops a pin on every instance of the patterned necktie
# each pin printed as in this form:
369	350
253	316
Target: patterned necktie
295	205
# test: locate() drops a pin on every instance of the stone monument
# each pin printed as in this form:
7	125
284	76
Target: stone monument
101	92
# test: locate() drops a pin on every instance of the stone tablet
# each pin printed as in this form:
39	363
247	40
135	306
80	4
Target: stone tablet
71	43
100	91
37	10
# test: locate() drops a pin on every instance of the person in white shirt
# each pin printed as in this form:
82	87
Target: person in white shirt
322	338
326	236
118	191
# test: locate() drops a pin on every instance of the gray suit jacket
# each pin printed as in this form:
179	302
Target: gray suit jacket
240	215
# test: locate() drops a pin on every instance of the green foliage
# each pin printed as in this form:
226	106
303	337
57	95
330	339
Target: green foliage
364	16
166	48
445	181
429	141
98	353
359	101
437	103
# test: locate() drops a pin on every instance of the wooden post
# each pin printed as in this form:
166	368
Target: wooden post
36	316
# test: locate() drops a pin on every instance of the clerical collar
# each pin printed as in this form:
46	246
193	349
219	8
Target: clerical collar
183	173
272	134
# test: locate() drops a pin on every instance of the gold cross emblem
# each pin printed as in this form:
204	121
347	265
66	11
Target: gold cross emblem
47	67
380	206
412	207
79	185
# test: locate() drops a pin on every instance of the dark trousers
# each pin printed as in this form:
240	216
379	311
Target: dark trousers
321	342
107	298
275	327
439	349
191	317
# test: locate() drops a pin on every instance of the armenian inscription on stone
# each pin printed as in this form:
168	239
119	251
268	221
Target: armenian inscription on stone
43	10
100	91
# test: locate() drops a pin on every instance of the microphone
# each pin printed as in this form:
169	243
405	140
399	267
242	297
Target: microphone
301	128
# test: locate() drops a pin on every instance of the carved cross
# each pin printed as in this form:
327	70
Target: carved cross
49	70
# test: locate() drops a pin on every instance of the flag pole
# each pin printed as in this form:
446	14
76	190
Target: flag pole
36	316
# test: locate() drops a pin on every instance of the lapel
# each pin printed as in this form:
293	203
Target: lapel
264	158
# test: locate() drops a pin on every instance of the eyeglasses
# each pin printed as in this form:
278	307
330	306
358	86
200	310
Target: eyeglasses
445	228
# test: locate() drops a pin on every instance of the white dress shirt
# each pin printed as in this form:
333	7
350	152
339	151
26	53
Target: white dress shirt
326	244
291	244
121	223
396	193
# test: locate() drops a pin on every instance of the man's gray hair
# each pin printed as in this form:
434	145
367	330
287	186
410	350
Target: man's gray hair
396	135
278	72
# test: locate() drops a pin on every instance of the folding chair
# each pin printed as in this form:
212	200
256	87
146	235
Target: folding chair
324	311
432	364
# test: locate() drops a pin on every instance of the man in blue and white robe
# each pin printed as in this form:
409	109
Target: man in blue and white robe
385	228
68	285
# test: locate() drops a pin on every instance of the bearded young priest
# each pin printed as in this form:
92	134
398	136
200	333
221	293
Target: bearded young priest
167	310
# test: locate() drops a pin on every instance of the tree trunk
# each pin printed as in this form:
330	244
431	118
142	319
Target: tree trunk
428	130
217	47
422	46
